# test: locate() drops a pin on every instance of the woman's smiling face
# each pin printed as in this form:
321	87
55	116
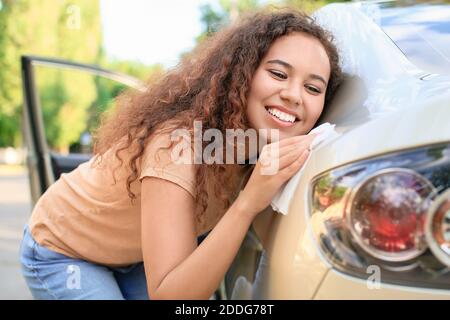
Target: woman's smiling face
288	88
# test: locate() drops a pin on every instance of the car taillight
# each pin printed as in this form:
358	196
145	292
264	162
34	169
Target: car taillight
386	214
392	211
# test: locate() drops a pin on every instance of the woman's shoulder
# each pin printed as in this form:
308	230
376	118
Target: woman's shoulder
165	158
168	141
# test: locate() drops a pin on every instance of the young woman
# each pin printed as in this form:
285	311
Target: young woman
125	224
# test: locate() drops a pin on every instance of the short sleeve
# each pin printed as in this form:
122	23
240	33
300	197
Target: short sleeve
157	161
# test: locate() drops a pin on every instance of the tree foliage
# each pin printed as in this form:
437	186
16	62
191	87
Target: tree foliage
48	28
71	101
214	18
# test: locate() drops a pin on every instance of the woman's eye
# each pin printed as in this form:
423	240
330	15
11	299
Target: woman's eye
313	89
278	74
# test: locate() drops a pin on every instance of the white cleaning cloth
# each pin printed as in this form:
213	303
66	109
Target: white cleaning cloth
282	199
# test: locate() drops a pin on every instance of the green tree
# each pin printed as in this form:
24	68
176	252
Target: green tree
213	19
59	28
107	90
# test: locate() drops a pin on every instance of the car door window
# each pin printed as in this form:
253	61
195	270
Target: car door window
64	102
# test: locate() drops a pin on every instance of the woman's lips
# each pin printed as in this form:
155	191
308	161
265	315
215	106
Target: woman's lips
282	109
280	122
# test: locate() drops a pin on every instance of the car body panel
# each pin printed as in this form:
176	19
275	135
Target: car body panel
297	268
412	29
340	286
428	122
385	104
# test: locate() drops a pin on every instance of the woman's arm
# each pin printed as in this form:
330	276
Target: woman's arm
262	225
175	267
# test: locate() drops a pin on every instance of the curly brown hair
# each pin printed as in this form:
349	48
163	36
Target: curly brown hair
210	85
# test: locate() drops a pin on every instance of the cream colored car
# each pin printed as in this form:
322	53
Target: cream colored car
370	217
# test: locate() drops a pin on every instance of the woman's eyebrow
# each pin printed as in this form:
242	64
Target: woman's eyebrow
281	62
317	77
287	65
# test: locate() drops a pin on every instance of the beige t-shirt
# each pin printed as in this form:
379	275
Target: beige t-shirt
85	215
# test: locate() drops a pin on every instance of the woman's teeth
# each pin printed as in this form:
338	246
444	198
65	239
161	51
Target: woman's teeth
281	115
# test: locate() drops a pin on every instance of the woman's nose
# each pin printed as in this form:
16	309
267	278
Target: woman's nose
293	94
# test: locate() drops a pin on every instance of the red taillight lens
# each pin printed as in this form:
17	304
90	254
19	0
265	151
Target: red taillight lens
387	211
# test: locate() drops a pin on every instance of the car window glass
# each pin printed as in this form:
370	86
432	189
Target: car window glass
71	103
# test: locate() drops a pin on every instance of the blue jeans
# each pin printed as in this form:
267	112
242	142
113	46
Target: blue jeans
53	276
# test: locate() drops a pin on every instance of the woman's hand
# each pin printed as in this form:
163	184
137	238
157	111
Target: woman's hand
277	163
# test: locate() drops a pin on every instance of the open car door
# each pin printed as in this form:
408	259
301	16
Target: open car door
57	94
